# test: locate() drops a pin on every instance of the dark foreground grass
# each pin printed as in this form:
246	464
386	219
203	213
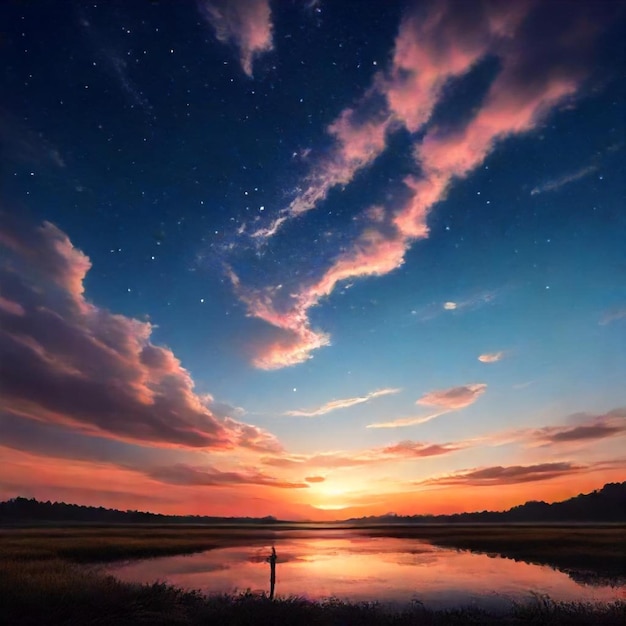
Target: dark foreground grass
56	592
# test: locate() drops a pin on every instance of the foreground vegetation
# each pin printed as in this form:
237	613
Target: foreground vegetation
51	576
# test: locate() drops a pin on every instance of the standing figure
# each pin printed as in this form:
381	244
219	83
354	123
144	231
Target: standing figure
271	559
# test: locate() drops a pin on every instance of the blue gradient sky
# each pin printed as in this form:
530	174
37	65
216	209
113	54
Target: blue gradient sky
158	138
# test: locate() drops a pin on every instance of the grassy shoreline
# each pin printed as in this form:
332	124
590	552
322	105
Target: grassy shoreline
49	576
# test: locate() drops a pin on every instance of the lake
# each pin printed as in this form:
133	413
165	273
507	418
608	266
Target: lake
354	567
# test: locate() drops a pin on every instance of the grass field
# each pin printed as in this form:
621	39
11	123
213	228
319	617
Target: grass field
50	576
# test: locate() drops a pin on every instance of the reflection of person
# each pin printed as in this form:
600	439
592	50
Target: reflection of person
271	559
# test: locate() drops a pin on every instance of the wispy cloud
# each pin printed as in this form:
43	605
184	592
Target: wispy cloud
20	143
359	458
491	357
453	398
333	405
411	449
509	475
247	24
556	183
446	400
95	370
113	63
407	421
580	429
431	49
613	316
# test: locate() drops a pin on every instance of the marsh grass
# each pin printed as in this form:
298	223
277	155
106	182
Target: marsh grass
51	576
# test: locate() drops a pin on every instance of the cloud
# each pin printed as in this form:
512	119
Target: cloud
450	306
113	63
446	400
407	421
581	429
511	475
491	357
333	405
247	24
453	398
23	145
372	456
432	47
410	449
589	428
93	370
182	474
561	181
315	479
612	316
177	466
538	73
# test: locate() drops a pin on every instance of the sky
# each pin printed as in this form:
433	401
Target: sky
312	259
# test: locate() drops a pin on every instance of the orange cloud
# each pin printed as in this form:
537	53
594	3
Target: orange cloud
95	370
315	479
245	23
345	403
491	357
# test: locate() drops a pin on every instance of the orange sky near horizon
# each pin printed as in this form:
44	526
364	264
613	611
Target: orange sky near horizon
46	478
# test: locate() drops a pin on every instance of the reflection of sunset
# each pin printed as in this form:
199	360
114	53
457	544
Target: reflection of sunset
363	568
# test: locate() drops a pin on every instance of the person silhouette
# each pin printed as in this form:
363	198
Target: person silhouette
271	559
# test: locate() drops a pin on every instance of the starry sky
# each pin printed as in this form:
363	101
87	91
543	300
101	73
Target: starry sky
309	258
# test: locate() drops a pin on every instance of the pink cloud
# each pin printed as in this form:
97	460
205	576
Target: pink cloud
431	48
358	142
94	370
453	398
245	23
445	42
536	76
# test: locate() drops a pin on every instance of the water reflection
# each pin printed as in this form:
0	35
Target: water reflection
387	569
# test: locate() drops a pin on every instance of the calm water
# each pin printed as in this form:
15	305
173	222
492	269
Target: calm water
389	570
